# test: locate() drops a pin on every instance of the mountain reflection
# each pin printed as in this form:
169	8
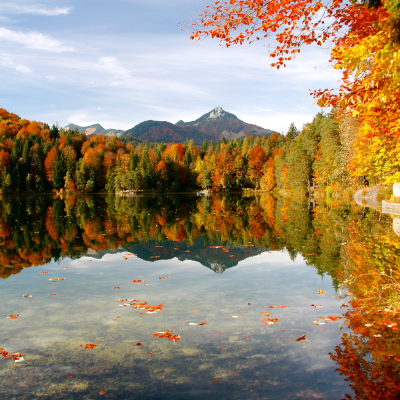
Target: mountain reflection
356	247
35	230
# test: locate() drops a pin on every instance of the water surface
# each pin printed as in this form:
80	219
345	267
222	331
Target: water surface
226	261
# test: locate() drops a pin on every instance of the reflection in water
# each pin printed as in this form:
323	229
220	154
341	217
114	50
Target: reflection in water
90	237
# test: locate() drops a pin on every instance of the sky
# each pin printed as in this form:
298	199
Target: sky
122	62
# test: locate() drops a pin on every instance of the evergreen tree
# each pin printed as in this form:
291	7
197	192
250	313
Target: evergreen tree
58	173
54	132
206	179
204	148
188	157
292	132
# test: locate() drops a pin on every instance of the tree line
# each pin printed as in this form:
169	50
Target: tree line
34	156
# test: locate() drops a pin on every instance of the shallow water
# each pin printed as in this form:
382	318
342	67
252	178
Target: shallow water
235	355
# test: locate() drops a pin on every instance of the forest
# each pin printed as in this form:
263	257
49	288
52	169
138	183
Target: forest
35	157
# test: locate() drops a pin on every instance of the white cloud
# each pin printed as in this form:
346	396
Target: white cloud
34	40
33	9
18	67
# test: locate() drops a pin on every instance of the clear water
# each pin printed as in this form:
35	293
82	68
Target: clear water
226	358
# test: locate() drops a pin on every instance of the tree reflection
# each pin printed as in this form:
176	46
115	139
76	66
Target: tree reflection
356	247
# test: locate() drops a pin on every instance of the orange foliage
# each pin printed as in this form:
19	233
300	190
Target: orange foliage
49	162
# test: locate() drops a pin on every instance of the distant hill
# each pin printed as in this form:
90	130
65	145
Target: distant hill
163	131
214	125
219	123
95	129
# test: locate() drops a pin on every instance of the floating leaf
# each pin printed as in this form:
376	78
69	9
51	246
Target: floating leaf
167	334
91	346
165	277
15	316
137	281
300	338
312	305
52	294
320	292
117	287
266	314
102	393
26	295
200	323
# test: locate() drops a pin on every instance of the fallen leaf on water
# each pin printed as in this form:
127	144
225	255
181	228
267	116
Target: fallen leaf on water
27	295
44	273
195	312
102	393
231	256
159	246
249	304
15	316
167	334
52	294
346	323
142	313
200	323
266	314
331	318
117	287
150	352
64	267
312	305
215	380
91	346
247	336
300	338
69	376
320	291
137	281
165	277
176	249
318	322
138	344
217	333
18	359
282	330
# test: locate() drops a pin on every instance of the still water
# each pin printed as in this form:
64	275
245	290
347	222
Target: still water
242	280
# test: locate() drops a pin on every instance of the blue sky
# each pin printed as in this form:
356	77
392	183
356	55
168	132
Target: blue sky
122	62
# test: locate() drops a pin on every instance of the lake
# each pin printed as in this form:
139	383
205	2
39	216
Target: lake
181	297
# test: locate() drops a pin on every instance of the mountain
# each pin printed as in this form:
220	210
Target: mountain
95	129
214	125
163	131
219	123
